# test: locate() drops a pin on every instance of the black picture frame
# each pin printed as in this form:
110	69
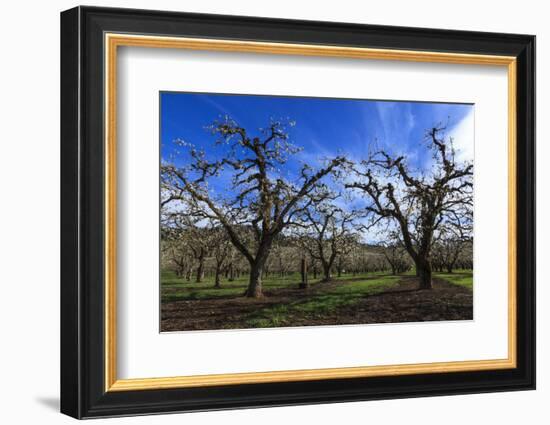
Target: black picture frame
83	392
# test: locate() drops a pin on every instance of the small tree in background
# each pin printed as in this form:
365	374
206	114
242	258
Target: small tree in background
328	230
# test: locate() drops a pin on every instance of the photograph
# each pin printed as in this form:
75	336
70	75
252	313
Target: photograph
286	211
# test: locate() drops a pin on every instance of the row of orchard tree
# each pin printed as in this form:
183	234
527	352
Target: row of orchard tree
199	252
266	222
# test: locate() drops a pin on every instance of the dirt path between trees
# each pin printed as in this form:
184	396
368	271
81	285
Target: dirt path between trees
405	303
400	303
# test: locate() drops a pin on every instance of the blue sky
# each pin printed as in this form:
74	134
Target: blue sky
324	127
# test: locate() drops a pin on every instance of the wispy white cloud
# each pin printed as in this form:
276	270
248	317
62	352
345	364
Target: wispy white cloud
463	137
397	121
222	110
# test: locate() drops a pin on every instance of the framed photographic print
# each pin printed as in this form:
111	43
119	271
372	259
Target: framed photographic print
261	212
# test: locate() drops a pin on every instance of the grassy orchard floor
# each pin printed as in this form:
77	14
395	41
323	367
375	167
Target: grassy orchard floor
350	299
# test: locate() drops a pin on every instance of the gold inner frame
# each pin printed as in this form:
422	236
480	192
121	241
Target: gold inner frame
113	41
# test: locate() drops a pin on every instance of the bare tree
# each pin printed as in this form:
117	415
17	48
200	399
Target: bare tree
418	203
396	257
175	252
452	244
282	257
327	230
343	259
260	197
222	253
197	237
395	253
235	264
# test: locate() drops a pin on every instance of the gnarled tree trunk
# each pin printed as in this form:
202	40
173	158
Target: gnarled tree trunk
254	289
424	273
327	276
218	275
200	269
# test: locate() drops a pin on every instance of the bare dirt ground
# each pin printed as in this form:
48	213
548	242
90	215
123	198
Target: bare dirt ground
400	303
405	303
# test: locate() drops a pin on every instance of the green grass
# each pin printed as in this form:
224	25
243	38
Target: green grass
320	304
178	289
461	277
344	291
